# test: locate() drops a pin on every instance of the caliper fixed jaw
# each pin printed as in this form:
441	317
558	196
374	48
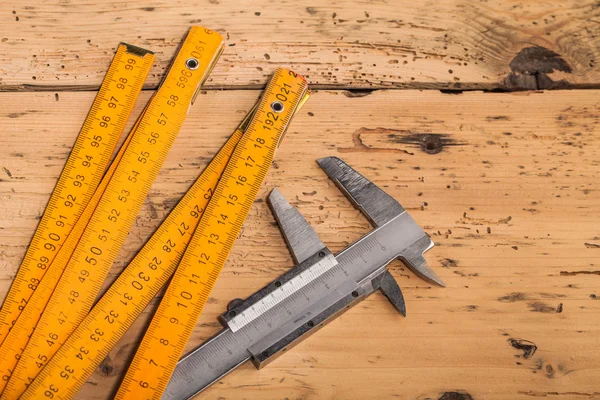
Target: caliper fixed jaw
380	208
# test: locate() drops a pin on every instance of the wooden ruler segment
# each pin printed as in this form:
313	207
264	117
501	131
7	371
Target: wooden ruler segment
118	207
133	290
207	252
80	177
17	338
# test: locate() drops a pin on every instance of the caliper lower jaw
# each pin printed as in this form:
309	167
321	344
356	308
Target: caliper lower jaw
380	208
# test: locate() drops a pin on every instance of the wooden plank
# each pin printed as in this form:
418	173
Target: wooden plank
507	190
447	44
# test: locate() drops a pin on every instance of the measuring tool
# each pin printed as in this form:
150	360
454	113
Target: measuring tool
118	207
80	177
17	338
131	292
210	245
317	290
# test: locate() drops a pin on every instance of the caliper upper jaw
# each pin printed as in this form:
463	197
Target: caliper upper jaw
300	237
380	208
375	204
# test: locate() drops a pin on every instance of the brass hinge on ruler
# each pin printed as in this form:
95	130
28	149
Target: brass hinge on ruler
125	189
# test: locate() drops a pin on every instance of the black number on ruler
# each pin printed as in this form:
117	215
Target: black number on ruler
110	317
50	392
168	246
126	296
82	352
183	228
153	265
130	64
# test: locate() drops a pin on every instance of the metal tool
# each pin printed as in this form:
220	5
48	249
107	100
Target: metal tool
318	289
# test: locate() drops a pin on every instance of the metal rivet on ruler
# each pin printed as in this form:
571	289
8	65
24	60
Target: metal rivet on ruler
192	63
277	106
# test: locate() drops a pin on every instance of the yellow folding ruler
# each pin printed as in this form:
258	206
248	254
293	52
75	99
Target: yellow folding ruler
124	190
186	295
254	143
80	177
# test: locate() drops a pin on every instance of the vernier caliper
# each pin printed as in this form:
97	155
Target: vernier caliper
319	288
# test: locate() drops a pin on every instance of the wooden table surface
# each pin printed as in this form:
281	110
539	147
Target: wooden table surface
510	194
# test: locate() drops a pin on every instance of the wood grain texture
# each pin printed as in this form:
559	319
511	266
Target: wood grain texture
448	44
507	189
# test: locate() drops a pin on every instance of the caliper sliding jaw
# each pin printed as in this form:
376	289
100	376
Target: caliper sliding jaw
314	292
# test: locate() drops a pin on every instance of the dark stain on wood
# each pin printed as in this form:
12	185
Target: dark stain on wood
449	263
528	348
538	306
153	211
530	69
573	273
168	204
497	118
451	91
512	297
548	370
456	395
106	367
430	143
357	92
